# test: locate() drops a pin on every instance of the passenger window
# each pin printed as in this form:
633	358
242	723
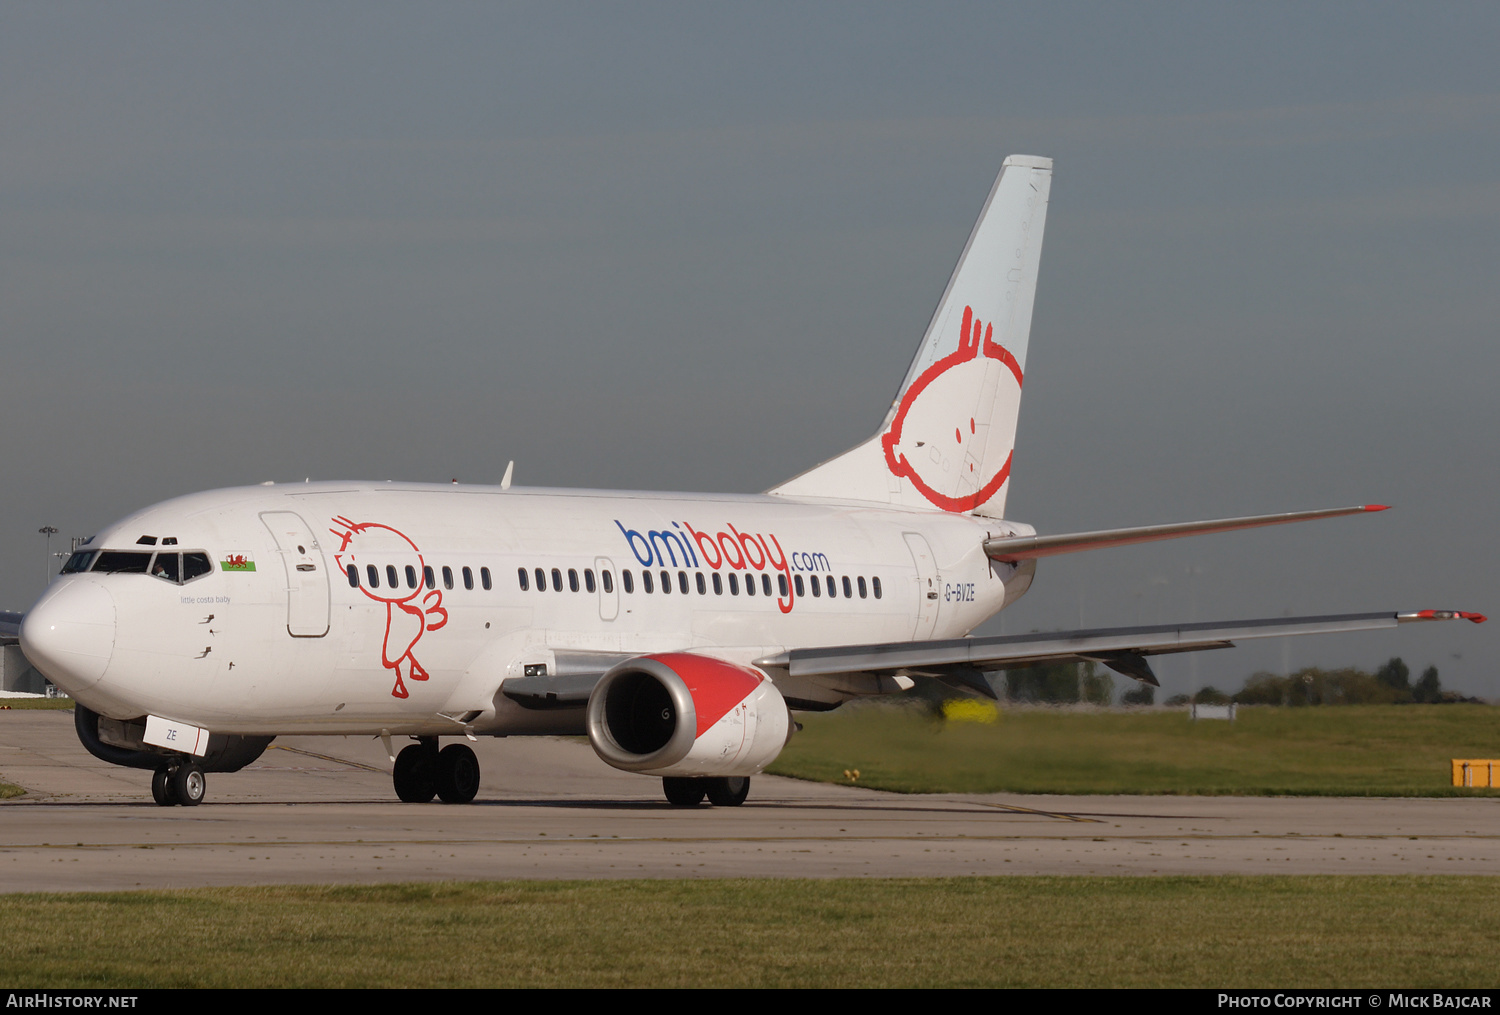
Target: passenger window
781	584
469	579
556	580
541	580
390	576
876	583
484	578
734	584
682	582
863	594
765	584
609	581
588	579
373	575
749	584
718	584
797	584
428	577
817	586
521	576
411	577
629	582
666	583
832	591
646	582
353	576
447	577
702	585
848	589
573	579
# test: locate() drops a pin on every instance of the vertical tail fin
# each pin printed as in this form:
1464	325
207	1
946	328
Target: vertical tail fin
947	441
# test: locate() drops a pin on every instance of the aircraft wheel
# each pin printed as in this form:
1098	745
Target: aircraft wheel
160	791
728	792
457	774
683	792
187	785
416	782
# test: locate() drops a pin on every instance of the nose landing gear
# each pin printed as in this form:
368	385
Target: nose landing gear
422	772
183	784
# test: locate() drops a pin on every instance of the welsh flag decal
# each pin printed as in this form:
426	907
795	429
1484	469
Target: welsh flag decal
237	562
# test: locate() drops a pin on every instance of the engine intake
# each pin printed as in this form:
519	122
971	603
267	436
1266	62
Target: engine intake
123	743
683	714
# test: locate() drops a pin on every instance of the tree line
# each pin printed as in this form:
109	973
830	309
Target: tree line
1391	684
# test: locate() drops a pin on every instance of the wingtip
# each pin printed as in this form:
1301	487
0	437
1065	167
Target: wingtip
1473	618
1376	507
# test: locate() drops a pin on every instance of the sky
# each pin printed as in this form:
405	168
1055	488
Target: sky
694	246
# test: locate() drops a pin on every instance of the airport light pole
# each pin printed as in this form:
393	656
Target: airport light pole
49	531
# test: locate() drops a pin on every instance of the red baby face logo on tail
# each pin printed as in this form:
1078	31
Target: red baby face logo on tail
410	607
935	439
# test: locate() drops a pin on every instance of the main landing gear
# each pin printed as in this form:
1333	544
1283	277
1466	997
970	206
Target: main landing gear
422	772
722	792
183	784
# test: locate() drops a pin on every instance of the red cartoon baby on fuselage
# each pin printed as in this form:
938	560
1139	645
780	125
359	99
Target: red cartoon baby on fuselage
410	607
935	440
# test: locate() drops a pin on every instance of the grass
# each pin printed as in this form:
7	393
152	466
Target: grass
1356	750
20	703
971	932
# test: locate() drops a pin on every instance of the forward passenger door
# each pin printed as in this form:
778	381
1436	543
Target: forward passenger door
306	573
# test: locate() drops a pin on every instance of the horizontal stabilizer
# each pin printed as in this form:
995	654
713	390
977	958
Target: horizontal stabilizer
1013	548
1122	649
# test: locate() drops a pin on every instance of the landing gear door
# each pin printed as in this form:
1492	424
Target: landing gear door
928	585
609	590
306	574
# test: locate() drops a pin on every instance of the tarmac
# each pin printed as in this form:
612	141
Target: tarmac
322	810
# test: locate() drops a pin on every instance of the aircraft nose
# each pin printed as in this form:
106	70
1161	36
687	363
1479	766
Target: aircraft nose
69	635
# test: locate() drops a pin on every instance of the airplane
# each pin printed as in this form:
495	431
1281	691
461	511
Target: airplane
679	632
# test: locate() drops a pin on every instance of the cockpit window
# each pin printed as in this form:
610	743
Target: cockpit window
167	567
122	562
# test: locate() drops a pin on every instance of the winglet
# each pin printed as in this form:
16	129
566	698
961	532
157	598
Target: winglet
1377	507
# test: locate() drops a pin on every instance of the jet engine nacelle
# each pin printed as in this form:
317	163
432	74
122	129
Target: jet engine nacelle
123	743
681	714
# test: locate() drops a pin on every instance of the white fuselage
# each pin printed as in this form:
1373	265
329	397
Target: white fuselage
277	637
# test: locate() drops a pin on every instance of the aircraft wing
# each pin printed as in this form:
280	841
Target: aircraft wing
1014	548
1123	649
